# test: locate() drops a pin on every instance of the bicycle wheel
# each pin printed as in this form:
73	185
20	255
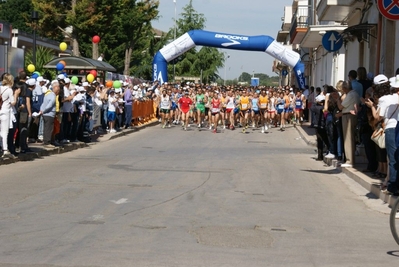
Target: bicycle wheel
394	220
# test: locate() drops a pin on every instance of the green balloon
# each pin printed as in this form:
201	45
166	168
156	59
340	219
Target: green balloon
74	80
38	73
117	84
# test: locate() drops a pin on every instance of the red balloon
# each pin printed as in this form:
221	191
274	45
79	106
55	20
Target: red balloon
96	39
94	72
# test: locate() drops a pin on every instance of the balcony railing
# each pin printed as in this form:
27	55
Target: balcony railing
300	19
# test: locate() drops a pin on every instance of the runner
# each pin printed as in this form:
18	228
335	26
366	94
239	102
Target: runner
223	114
165	104
286	111
280	103
185	103
244	110
200	100
298	107
263	101
216	105
271	111
230	106
255	110
208	115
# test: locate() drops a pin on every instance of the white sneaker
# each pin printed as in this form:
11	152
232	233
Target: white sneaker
169	125
224	127
199	125
266	128
210	127
330	156
346	165
263	130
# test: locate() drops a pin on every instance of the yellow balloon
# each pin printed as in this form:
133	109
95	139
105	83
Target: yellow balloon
63	46
31	68
90	78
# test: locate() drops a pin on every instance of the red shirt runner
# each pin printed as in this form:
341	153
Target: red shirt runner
185	103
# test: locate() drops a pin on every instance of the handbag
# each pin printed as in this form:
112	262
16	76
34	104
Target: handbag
378	135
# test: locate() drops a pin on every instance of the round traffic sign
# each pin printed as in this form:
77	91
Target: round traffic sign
389	8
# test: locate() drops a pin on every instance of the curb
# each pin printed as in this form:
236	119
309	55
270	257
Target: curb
370	184
40	152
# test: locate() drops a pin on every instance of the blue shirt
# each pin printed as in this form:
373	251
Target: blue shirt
358	87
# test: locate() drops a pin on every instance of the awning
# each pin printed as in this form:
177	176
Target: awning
80	63
360	31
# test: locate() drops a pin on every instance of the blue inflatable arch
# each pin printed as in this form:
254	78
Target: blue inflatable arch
193	38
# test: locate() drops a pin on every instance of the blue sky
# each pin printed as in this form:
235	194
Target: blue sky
250	17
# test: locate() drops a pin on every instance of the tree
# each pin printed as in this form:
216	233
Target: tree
18	13
193	61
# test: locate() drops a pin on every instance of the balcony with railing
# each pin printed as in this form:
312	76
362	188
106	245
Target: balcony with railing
337	10
299	24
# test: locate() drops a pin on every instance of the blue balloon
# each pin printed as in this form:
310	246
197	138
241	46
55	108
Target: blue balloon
59	66
35	76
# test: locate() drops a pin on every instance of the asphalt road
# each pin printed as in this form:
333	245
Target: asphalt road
165	197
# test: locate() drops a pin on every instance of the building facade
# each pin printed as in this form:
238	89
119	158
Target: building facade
368	39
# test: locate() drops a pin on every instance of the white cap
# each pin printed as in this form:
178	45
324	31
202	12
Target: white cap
61	77
40	79
67	80
135	87
82	89
394	81
85	84
380	79
118	90
31	82
54	81
125	84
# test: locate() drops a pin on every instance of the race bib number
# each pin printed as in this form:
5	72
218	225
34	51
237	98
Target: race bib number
280	106
263	105
244	106
298	103
215	110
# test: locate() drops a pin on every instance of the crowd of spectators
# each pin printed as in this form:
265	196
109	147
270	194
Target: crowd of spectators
347	115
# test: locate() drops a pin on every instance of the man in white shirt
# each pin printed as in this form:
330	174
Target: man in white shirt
349	122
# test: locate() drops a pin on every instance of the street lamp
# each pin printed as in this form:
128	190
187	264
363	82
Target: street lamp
34	17
174	38
225	67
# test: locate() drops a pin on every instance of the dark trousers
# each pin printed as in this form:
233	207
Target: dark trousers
128	115
48	129
22	135
34	128
322	138
10	138
74	127
370	150
66	126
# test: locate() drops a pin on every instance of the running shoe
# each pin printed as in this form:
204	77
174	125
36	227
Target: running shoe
199	125
185	128
163	126
266	128
169	125
263	130
214	131
224	127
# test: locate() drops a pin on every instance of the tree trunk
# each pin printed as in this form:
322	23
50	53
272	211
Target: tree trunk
75	43
128	55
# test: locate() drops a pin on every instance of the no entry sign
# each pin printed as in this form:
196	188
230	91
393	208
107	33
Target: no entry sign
389	8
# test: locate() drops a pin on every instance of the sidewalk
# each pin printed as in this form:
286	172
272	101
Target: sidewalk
39	151
364	179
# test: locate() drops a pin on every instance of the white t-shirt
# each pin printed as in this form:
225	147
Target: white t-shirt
67	106
111	106
320	97
165	102
7	96
387	105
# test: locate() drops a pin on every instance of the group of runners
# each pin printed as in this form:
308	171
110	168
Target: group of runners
211	107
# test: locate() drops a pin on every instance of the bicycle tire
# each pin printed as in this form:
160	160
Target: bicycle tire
393	220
